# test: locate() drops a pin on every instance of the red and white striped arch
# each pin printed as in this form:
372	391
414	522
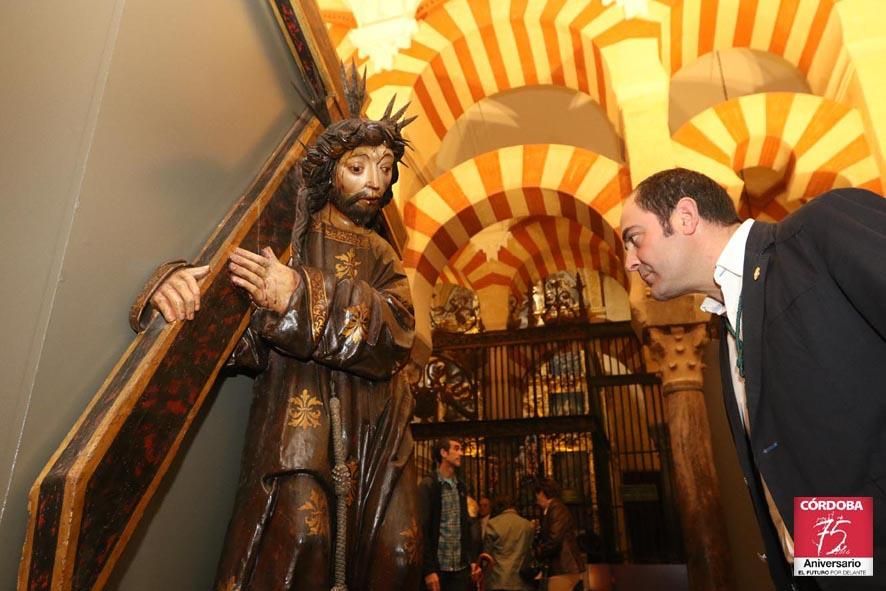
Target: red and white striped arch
536	248
803	32
467	266
818	144
466	50
540	247
513	182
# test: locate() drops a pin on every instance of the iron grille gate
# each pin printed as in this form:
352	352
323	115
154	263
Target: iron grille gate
569	402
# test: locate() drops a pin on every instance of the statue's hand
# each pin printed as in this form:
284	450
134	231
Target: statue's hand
178	297
269	282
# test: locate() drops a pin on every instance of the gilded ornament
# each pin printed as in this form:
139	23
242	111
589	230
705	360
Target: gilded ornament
352	491
319	303
347	268
316	514
304	411
357	319
339	235
410	542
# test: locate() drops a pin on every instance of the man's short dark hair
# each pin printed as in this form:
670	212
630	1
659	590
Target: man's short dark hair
660	193
440	444
547	486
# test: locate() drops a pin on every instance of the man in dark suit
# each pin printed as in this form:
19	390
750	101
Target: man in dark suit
804	315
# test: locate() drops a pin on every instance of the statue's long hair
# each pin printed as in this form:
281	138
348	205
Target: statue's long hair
313	177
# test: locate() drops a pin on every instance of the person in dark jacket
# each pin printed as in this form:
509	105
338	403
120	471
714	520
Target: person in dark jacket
801	357
556	544
449	555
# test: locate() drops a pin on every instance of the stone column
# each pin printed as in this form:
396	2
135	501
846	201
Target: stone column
675	352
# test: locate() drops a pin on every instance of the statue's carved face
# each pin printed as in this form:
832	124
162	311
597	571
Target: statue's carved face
361	178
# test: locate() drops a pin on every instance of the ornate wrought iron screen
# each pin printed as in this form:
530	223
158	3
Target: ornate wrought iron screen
569	402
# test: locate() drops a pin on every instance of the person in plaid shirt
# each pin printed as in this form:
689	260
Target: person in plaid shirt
450	550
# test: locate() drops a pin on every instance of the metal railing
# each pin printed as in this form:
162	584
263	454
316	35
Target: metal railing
570	402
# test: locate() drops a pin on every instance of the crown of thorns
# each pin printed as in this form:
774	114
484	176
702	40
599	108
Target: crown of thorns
355	95
356	129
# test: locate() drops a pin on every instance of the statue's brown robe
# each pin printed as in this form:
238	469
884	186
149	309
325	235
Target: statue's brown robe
347	332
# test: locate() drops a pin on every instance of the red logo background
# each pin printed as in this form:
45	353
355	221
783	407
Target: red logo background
840	533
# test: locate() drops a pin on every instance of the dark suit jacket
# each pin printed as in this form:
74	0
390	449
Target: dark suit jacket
557	544
815	366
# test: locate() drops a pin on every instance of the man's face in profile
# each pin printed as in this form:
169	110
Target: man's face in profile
660	259
453	454
361	178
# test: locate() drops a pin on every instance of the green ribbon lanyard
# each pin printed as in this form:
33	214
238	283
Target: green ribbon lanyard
739	344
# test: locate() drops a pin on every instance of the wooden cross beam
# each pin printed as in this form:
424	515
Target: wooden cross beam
91	496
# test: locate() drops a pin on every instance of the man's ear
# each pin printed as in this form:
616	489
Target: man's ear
686	216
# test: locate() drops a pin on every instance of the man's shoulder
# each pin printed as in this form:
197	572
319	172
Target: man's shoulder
557	506
502	517
835	200
429	484
511	517
847	194
818	215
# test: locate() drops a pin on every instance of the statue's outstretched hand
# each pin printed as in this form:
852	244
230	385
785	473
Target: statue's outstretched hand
269	282
178	297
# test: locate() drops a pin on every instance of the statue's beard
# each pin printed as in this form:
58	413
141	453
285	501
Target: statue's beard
361	207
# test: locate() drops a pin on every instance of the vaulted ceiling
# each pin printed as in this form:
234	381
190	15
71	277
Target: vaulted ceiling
521	159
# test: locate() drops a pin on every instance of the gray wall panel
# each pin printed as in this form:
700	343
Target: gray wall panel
136	125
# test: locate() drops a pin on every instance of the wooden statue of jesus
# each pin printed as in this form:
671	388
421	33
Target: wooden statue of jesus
328	457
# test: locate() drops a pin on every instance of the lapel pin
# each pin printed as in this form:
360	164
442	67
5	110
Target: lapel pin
756	273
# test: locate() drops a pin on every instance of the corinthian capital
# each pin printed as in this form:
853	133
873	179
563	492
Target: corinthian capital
675	351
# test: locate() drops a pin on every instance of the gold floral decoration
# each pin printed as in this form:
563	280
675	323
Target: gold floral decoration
357	318
348	266
316	516
304	411
410	542
230	585
343	236
317	299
